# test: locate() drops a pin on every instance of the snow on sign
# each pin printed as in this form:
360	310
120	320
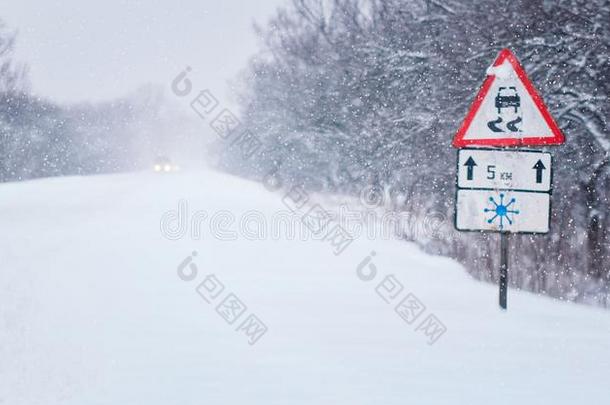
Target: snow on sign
508	111
504	169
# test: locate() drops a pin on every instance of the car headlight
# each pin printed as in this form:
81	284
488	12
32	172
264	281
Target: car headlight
167	168
157	168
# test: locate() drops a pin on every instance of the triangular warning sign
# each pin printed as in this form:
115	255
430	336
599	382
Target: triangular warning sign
508	111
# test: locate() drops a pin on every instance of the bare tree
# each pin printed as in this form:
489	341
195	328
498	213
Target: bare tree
13	76
355	93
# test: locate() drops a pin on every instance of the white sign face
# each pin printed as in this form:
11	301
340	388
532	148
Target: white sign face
504	169
507	110
506	211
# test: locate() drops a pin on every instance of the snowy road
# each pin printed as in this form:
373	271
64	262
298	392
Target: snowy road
92	311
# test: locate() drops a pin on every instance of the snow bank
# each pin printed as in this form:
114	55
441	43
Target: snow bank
93	311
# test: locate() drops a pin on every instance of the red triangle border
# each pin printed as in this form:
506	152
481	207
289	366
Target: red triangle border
557	139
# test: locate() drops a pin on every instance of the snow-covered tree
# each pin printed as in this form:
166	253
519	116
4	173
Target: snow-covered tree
347	94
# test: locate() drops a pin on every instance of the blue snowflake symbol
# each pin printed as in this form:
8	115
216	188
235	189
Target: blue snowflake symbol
501	211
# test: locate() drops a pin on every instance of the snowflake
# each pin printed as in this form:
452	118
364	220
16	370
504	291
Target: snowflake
501	211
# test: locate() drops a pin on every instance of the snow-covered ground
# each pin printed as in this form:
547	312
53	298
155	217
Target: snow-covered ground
92	311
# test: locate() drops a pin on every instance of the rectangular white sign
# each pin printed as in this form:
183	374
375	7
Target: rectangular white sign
507	211
504	169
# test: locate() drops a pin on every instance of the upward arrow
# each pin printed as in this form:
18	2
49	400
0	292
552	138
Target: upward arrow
539	166
470	164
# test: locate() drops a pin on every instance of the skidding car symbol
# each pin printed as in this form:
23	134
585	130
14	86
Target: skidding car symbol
507	97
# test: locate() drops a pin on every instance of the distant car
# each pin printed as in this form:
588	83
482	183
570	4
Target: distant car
164	165
507	97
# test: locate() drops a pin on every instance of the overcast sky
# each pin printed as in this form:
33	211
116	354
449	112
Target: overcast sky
97	50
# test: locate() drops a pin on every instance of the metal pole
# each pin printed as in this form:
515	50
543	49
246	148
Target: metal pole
503	268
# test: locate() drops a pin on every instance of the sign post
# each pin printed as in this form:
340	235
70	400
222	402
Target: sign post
503	269
500	188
